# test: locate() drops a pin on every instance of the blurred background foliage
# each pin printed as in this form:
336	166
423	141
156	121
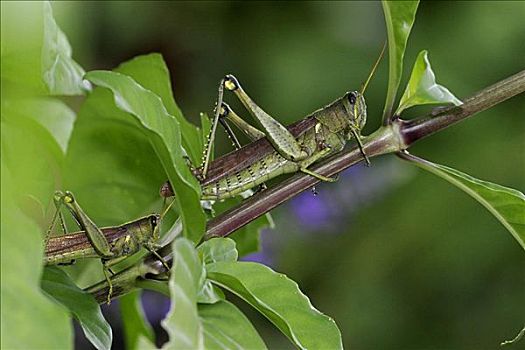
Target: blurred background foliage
398	257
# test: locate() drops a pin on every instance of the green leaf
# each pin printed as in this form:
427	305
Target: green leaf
151	72
226	327
280	300
182	322
506	204
54	115
217	249
26	314
36	56
134	320
57	284
109	158
33	147
209	293
399	17
163	132
62	75
104	135
422	87
214	250
34	138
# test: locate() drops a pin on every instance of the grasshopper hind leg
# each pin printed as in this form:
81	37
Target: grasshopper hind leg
280	137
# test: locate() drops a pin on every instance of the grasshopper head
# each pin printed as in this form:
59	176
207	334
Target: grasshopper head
355	106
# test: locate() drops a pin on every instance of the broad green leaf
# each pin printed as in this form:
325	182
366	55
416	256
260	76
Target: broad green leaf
62	75
36	56
134	320
151	72
217	249
422	87
226	327
110	168
214	250
34	136
163	132
209	293
54	115
57	284
26	313
182	322
399	17
279	299
506	204
106	136
22	35
109	164
30	148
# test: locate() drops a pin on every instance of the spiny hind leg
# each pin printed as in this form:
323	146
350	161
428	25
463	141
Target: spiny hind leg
281	139
58	216
92	231
222	113
227	114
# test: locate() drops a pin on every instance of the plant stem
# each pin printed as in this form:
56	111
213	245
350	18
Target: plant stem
416	129
393	138
388	139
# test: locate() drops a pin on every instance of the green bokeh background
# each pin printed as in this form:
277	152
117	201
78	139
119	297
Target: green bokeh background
413	262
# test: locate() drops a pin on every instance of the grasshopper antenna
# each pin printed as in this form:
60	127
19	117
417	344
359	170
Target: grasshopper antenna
374	68
362	92
167	208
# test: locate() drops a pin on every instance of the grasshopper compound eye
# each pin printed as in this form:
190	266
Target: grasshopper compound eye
154	219
231	83
352	97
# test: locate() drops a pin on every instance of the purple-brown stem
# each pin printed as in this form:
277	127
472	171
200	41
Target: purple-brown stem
398	136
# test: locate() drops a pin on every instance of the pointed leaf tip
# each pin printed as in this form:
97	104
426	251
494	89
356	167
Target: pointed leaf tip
422	87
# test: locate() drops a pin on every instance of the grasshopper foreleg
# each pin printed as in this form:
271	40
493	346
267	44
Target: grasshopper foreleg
360	145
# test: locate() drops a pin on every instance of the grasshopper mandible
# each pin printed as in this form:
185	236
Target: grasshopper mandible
277	149
110	244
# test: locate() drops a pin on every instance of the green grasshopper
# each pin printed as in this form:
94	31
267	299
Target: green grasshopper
276	150
110	244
